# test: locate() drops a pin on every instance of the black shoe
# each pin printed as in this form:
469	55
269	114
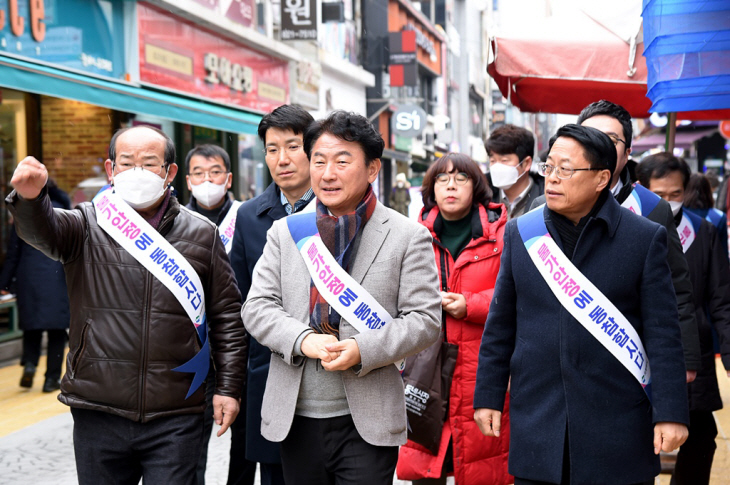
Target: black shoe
51	384
28	375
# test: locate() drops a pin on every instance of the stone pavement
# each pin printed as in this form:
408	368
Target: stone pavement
36	438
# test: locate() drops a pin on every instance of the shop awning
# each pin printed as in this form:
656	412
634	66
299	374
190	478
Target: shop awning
683	139
41	79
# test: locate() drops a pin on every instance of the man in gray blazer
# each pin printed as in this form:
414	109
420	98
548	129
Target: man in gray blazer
334	399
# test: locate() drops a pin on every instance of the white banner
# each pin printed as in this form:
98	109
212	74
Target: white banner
154	252
686	232
342	292
590	307
228	225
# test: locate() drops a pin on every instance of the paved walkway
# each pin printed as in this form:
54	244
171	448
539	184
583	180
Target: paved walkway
36	437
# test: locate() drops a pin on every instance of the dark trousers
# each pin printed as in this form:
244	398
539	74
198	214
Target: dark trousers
566	470
207	424
331	452
32	350
117	451
694	460
240	470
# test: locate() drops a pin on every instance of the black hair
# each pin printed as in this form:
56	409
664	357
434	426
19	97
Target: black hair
285	117
481	193
169	144
598	148
349	127
509	139
209	151
699	192
613	110
660	165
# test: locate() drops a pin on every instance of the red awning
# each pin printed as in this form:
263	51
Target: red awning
561	66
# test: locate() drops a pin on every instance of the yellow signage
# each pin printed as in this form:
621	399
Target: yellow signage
272	92
172	61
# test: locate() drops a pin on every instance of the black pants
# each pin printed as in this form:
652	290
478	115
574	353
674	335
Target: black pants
32	350
240	470
694	460
331	452
207	424
117	451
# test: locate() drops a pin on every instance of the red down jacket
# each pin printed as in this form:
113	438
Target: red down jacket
477	459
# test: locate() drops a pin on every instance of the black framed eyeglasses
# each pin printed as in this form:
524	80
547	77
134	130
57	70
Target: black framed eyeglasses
615	139
460	178
563	173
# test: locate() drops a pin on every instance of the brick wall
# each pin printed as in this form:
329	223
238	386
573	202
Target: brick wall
75	140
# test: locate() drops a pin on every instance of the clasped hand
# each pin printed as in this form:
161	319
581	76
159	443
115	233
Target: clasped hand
334	354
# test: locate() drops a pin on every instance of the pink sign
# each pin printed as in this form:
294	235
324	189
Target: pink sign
179	55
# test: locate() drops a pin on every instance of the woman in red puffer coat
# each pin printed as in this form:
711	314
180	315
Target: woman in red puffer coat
468	232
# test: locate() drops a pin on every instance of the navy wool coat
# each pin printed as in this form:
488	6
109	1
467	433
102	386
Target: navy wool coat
253	220
563	378
40	282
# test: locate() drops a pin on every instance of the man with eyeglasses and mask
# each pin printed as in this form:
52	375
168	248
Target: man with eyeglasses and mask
282	133
150	286
209	178
511	150
615	121
593	350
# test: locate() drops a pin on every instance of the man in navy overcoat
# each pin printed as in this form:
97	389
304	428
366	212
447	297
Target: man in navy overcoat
578	416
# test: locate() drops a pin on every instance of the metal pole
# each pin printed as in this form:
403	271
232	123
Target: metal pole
671	132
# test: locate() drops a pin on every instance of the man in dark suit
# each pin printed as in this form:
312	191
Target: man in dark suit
282	133
580	412
615	121
667	176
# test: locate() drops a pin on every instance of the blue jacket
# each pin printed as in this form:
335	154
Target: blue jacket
253	220
563	378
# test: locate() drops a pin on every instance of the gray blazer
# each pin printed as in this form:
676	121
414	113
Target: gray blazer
396	264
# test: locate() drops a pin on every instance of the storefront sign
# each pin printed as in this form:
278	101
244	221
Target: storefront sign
242	12
409	121
308	79
298	20
189	59
75	34
422	41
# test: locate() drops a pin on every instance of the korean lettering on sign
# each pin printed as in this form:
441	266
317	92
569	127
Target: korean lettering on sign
219	70
298	20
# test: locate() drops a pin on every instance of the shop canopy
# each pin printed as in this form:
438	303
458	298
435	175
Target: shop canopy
41	79
565	62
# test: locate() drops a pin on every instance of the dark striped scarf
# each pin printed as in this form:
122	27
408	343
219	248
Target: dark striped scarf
337	234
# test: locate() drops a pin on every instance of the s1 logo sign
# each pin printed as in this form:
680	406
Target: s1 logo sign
409	121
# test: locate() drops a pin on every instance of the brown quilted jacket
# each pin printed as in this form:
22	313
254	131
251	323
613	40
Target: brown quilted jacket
127	330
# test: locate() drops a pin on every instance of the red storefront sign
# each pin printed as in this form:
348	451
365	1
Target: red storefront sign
179	55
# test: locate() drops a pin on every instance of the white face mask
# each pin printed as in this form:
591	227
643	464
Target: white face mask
676	206
208	193
401	184
138	187
504	176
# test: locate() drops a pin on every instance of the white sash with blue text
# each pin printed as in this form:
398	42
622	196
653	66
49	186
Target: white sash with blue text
686	232
159	257
575	292
345	295
228	225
